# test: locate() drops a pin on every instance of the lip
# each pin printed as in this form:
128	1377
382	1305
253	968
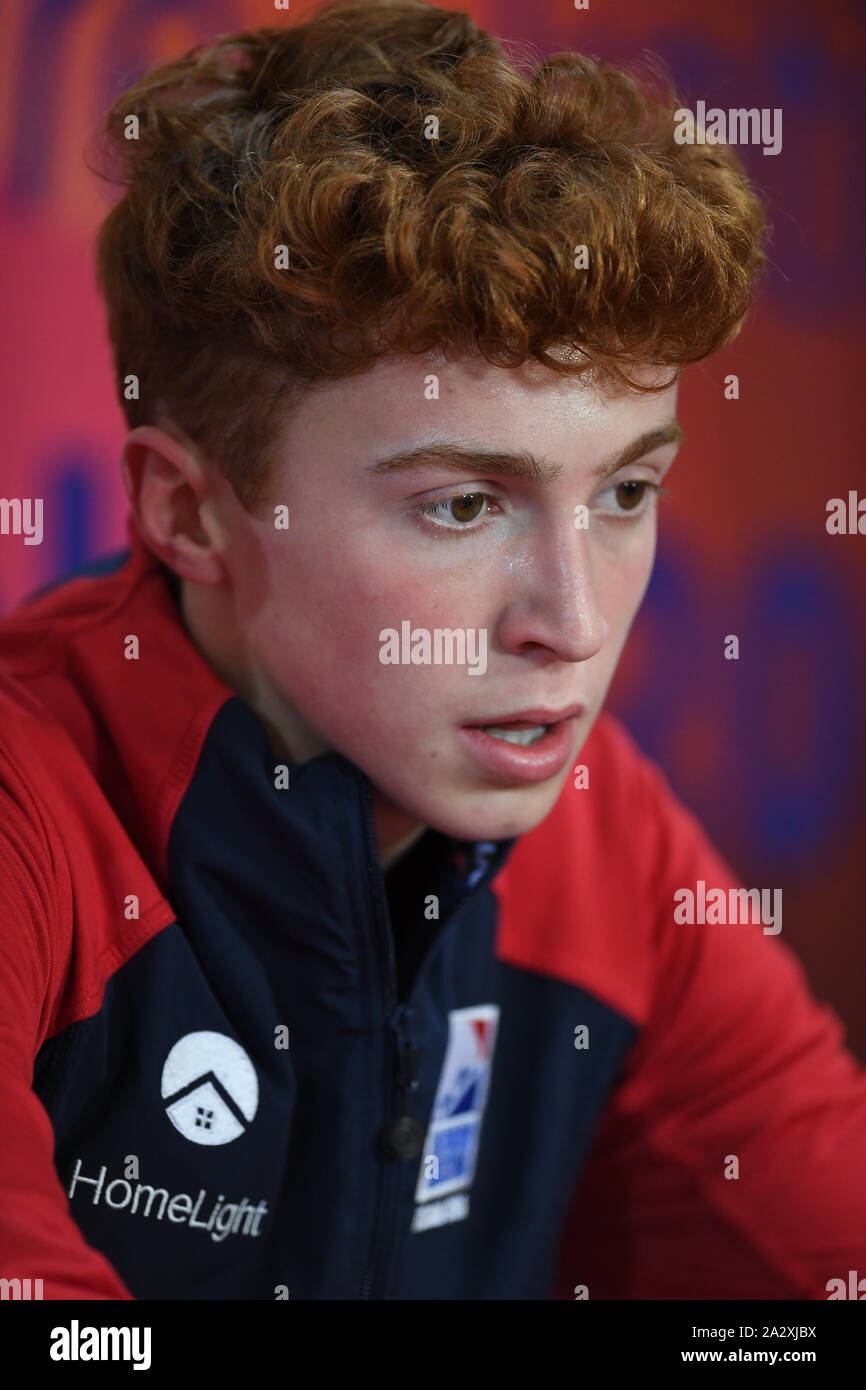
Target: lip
509	762
532	716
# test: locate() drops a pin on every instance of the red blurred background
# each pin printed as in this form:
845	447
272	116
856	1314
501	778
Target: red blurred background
768	750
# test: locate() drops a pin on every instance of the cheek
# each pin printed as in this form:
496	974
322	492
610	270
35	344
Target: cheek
622	577
317	636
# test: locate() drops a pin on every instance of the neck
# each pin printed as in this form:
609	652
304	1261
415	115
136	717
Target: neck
395	832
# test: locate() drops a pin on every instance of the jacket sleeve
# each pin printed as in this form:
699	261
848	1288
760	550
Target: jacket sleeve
729	1162
38	1238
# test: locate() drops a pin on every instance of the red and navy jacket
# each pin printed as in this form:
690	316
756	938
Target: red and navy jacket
239	1062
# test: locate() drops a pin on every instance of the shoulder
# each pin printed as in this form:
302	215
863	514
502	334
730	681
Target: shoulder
68	870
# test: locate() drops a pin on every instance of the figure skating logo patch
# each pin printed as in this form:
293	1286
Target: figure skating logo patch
451	1146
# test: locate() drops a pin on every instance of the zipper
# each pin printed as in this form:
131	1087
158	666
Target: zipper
405	1136
400	1080
407	1077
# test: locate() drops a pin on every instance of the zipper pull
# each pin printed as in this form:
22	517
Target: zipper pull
402	1137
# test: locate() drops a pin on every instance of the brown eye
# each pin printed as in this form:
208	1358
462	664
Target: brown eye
627	498
467	507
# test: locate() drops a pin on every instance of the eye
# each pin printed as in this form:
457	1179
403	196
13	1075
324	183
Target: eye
632	495
466	507
456	513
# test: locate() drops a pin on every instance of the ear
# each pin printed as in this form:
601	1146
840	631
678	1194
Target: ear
169	490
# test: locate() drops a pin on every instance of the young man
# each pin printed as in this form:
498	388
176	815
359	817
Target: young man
341	951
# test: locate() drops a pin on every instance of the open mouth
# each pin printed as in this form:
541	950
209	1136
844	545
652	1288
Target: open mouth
530	749
523	734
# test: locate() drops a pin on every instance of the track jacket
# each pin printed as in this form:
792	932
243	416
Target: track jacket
236	1062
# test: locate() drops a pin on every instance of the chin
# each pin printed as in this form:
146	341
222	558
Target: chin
502	814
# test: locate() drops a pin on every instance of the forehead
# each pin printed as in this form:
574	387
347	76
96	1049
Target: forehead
401	402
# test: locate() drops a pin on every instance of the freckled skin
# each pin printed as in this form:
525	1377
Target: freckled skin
291	619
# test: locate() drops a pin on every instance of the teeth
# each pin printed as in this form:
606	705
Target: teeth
522	736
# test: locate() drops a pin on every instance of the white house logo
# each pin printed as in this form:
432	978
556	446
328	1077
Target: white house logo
210	1088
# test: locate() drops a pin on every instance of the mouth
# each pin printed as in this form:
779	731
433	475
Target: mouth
522	734
530	746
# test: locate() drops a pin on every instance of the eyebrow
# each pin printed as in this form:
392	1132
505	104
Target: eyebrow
478	459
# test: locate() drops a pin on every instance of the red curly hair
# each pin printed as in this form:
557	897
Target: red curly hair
313	138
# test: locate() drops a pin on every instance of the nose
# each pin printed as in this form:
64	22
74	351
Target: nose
553	606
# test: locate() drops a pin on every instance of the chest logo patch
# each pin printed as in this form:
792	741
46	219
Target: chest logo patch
210	1088
451	1146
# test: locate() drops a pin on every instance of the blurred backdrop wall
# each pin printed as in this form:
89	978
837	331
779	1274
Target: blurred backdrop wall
769	750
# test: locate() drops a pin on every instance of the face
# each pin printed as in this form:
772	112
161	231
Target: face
541	570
